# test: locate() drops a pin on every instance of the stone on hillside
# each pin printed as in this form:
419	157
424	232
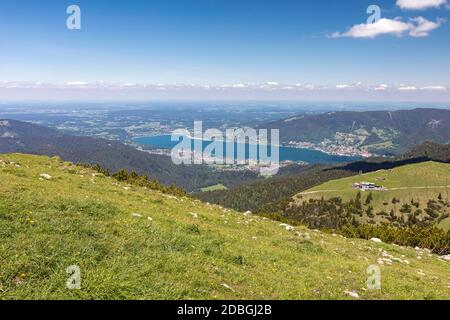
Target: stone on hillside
421	273
227	286
305	235
376	240
46	176
287	227
194	215
352	294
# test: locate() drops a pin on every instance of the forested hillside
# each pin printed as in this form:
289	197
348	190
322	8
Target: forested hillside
23	137
379	132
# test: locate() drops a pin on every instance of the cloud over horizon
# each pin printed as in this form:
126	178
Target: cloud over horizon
270	86
267	91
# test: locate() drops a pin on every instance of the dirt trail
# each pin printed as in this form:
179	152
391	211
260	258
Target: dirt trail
387	189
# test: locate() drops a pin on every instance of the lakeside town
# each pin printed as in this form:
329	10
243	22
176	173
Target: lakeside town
332	148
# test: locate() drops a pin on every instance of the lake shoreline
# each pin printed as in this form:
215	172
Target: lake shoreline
287	153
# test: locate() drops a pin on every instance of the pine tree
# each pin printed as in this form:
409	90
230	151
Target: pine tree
369	198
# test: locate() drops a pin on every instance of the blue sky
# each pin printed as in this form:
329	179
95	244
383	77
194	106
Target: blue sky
222	43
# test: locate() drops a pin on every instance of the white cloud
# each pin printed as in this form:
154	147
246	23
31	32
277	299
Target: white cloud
342	86
381	87
424	27
407	88
383	26
128	85
415	27
239	87
349	86
77	83
434	88
420	4
309	87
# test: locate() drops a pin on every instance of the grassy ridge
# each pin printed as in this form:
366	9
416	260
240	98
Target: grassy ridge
134	243
419	182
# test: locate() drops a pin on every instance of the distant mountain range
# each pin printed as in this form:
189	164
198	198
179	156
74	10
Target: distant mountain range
377	132
23	137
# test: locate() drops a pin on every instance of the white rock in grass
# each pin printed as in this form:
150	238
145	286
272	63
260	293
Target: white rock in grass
137	215
46	176
287	227
194	215
376	240
447	257
149	218
227	286
305	235
352	294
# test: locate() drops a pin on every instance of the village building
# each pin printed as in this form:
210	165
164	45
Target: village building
367	186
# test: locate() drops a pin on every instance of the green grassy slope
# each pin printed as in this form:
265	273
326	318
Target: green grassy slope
420	182
187	250
214	188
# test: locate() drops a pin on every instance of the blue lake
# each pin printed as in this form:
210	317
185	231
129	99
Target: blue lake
286	153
